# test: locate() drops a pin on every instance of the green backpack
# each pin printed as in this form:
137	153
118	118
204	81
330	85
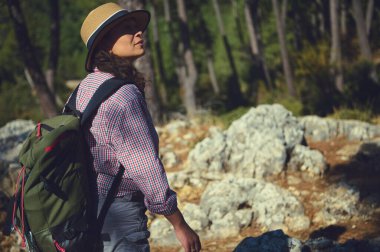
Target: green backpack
53	209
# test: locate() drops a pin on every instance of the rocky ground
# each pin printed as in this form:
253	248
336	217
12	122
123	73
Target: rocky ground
344	165
350	160
336	197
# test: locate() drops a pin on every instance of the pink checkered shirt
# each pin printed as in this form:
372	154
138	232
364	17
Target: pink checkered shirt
122	132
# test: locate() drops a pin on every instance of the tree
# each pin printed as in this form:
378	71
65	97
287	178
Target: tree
284	51
365	49
320	17
54	48
235	97
205	35
256	51
211	73
336	55
361	30
167	10
237	19
368	16
144	65
32	67
157	47
187	72
343	20
283	12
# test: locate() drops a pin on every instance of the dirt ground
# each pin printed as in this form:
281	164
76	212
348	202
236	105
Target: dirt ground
362	170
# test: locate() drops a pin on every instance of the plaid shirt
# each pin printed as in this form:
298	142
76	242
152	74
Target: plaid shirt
122	132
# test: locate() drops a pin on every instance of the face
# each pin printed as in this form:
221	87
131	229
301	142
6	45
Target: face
125	40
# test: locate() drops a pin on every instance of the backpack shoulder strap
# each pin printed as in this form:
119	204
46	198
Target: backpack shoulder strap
102	93
105	90
70	106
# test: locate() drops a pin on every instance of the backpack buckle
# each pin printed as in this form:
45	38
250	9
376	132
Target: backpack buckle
70	233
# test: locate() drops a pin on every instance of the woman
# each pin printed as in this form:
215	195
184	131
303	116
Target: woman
122	133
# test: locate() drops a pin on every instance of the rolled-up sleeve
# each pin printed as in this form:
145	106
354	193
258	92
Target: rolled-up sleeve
136	145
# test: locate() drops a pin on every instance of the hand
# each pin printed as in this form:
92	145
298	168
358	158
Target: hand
188	238
185	235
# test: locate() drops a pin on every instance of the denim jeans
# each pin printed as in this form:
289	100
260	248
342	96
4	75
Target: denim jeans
125	226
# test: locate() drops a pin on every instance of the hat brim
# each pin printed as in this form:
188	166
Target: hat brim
142	18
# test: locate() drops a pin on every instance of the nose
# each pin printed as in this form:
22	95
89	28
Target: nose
138	34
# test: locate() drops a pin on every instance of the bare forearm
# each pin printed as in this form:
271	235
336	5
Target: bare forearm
186	236
176	219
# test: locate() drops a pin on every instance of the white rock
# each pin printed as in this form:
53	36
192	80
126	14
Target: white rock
169	159
227	226
177	179
298	223
307	160
195	216
244	216
12	136
268	203
162	233
339	203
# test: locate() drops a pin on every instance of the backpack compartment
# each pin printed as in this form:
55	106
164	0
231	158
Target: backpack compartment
56	188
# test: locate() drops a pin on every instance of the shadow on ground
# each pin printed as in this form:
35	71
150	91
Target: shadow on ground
362	172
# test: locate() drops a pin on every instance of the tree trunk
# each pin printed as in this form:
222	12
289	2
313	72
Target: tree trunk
361	30
157	46
235	97
254	44
343	20
365	49
144	65
368	16
187	71
321	18
336	56
167	11
323	14
46	98
299	18
211	72
284	6
251	30
54	49
284	51
237	19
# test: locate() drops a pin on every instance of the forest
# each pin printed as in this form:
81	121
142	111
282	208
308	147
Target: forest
213	57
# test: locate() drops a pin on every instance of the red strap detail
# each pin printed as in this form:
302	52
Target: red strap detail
56	142
58	246
39	130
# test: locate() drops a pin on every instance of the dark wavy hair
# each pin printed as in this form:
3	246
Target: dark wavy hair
120	67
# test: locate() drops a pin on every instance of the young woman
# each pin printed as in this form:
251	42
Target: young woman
122	133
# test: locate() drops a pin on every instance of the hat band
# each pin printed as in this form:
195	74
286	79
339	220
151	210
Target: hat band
100	28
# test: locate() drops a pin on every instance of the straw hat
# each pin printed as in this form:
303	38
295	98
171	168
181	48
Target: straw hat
102	19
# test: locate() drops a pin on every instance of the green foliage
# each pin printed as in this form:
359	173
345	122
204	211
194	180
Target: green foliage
317	89
10	65
360	89
313	59
309	51
365	115
270	41
16	102
280	96
227	118
72	49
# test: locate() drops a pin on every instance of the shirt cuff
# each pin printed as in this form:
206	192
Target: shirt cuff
167	208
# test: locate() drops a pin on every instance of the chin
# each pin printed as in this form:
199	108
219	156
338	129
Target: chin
138	55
